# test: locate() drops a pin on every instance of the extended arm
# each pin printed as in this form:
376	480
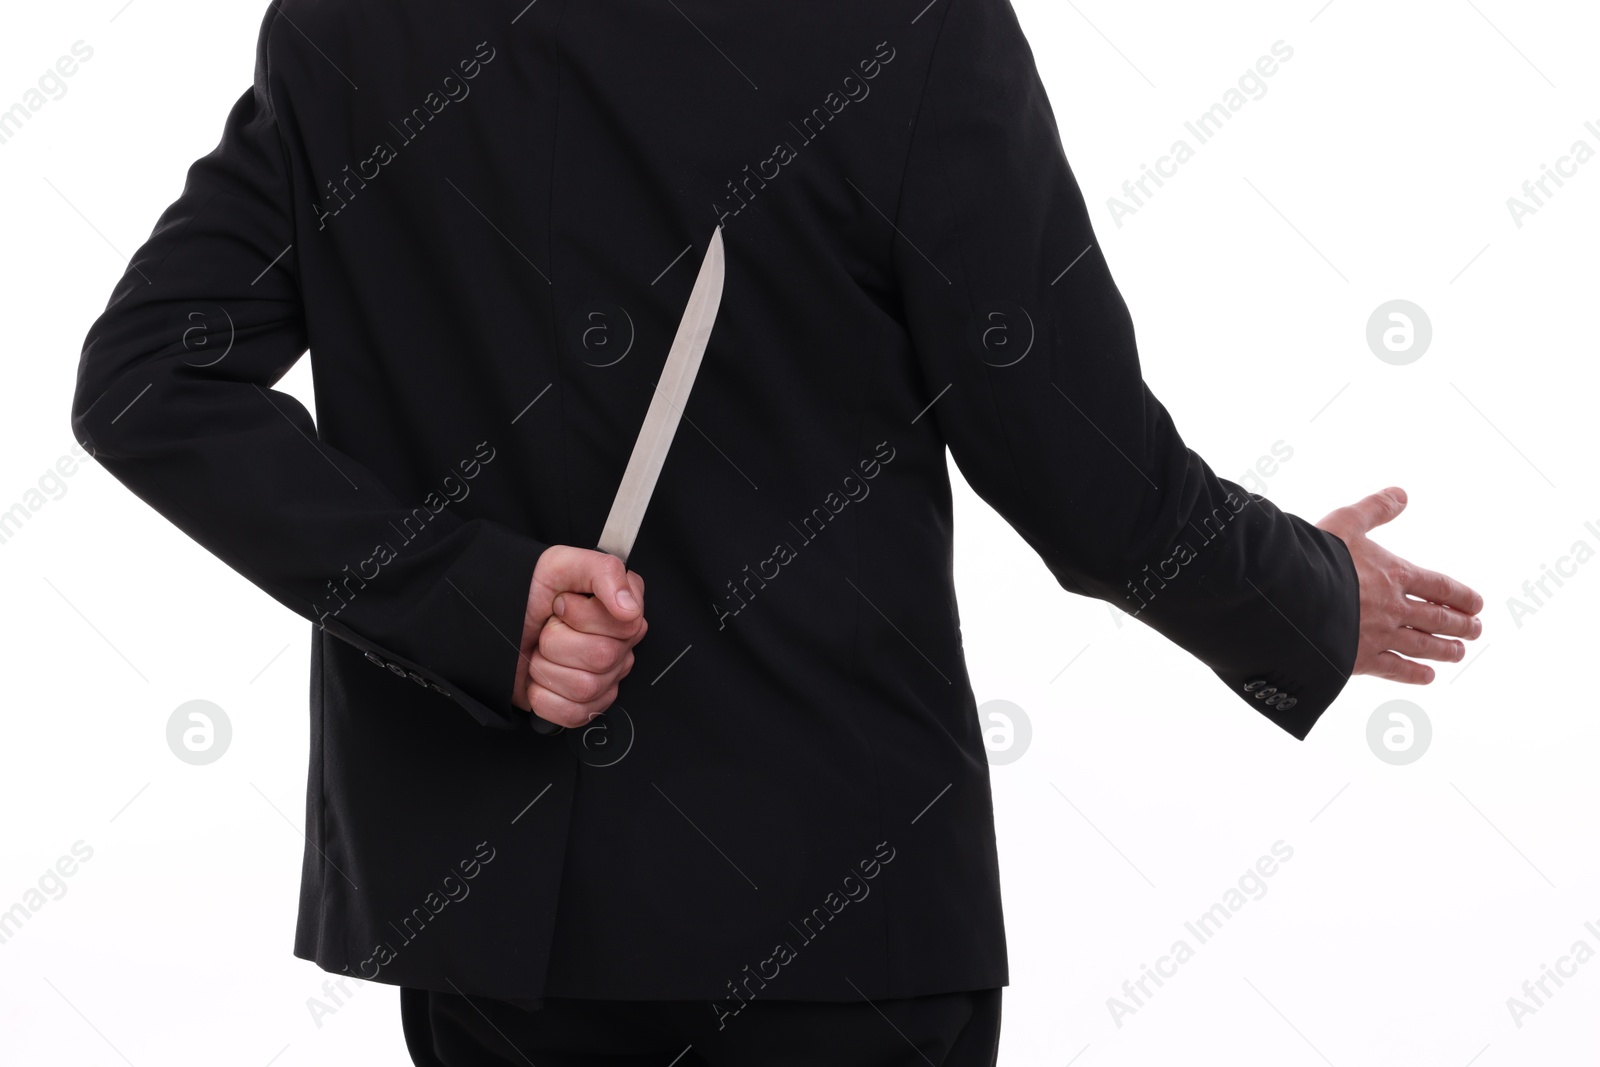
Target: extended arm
204	438
1022	335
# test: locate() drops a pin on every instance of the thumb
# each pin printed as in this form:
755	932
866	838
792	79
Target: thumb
1379	508
580	570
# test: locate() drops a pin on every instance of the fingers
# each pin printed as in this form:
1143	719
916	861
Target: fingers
574	683
597	653
573	676
571	696
616	589
1399	669
1405	610
1419	629
1438	619
553	707
1442	589
1420	645
563	568
587	615
1377	509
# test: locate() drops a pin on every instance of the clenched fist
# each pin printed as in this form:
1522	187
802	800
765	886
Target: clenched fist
585	614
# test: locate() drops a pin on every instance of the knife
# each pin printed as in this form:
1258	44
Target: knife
666	406
662	418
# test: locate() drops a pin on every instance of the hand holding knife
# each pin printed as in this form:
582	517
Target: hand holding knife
628	507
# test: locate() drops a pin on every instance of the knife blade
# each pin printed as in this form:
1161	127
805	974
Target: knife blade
662	417
666	406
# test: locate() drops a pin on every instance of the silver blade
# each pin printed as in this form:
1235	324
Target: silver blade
666	406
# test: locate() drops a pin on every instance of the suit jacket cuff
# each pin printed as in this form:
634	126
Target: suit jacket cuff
1309	668
468	631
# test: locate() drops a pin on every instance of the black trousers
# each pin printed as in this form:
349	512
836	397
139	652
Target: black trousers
944	1030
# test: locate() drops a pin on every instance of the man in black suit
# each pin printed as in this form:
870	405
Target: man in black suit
766	833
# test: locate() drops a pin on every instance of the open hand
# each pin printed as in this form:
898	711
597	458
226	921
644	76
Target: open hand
1393	624
577	647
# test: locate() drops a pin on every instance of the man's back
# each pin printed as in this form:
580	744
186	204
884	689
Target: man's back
484	223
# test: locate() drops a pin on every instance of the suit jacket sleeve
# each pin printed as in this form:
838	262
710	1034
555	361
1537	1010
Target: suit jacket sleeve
238	466
1023	337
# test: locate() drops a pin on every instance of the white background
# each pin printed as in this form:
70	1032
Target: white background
1377	166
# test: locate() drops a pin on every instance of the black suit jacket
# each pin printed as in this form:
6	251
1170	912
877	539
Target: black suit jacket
483	219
